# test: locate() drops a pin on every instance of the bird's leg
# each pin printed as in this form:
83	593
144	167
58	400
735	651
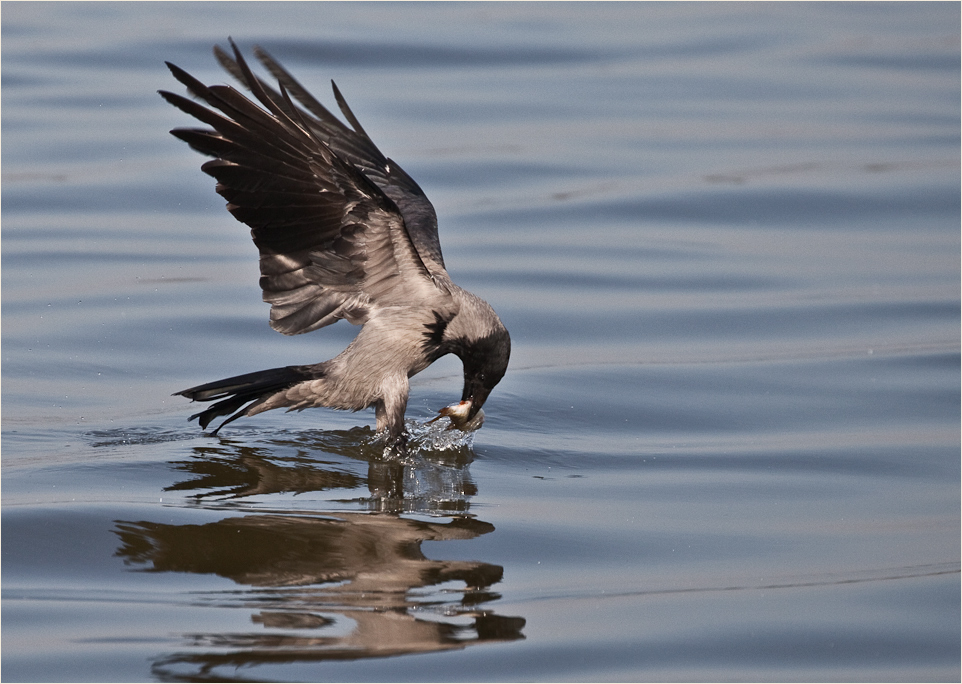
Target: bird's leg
389	411
390	426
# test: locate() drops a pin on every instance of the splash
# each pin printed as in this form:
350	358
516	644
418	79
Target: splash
437	435
432	436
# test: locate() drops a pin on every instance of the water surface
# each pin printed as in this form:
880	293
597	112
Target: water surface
725	239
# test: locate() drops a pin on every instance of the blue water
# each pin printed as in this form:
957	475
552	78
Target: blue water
725	239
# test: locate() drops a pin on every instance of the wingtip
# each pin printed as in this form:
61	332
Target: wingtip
175	70
194	87
262	54
238	57
346	111
220	54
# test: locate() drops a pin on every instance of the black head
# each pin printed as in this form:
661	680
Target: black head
485	361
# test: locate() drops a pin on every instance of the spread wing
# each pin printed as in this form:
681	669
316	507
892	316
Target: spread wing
332	243
356	147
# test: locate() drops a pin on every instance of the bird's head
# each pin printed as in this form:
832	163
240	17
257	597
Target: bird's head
485	358
485	362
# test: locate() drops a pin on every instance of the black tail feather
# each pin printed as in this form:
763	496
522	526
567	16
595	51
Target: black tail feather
245	391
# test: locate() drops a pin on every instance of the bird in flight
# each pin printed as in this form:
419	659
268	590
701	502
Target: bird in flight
343	233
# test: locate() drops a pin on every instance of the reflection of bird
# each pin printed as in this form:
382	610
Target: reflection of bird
343	233
308	576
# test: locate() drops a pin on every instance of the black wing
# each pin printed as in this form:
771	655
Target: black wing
356	147
333	245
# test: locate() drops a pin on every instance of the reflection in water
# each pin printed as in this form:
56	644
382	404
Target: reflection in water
326	586
434	482
374	553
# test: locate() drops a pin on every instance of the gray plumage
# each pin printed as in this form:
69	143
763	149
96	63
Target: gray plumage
343	233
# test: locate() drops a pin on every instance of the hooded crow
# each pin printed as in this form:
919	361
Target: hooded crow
343	233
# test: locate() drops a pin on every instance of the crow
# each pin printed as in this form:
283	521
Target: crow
343	233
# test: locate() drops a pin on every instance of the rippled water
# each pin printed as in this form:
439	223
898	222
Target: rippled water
725	239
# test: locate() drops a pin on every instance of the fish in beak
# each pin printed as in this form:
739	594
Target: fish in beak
462	416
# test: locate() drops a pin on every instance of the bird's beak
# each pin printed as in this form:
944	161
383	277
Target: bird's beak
474	395
474	407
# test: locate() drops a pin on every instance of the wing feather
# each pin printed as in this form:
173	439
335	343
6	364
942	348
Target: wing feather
355	147
333	242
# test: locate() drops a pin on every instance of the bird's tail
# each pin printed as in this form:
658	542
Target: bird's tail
252	389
